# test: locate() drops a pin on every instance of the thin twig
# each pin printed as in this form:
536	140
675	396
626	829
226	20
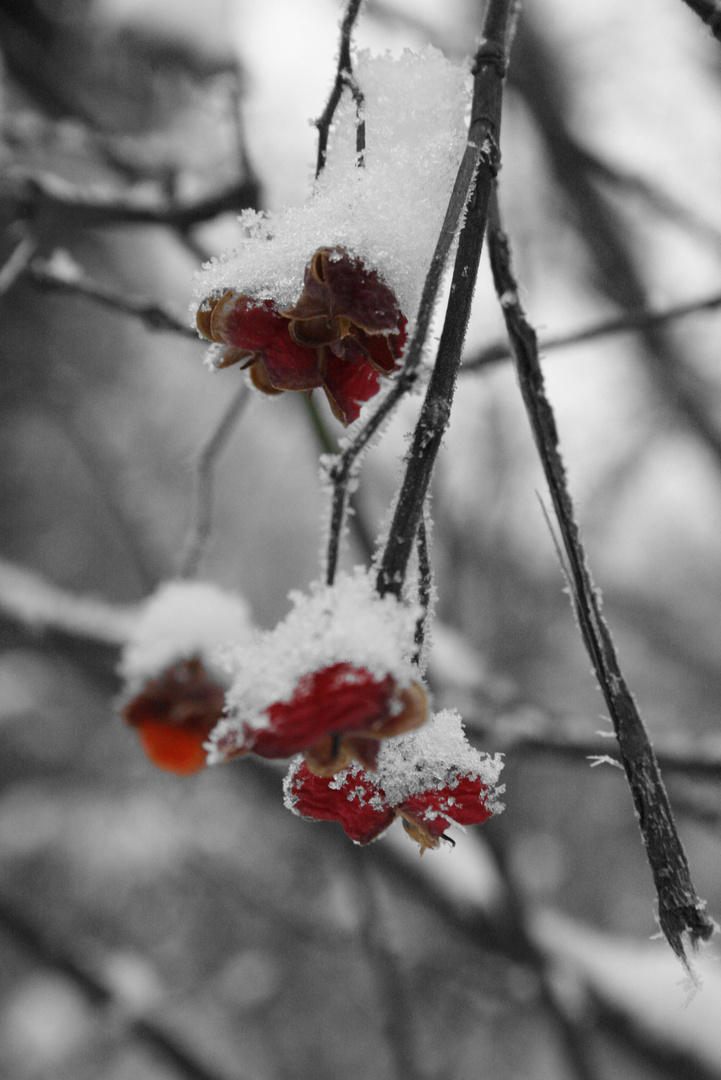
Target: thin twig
341	471
203	483
630	322
75	281
391	986
680	911
147	564
344	78
357	521
571	1026
88	206
482	151
538	77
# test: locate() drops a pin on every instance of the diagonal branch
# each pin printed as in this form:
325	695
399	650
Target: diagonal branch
68	277
680	911
203	485
80	205
631	322
482	156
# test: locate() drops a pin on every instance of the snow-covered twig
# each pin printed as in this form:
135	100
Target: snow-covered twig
482	160
104	205
630	322
203	483
680	911
64	275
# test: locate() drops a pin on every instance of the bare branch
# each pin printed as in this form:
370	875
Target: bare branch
74	280
536	76
571	1025
680	911
631	322
206	461
91	206
391	986
344	78
482	155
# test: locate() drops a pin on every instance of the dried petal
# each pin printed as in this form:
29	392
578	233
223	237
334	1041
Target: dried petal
356	802
174	715
337	715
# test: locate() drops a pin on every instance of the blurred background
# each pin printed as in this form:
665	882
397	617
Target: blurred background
156	927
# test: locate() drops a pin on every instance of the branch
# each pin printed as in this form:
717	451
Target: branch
92	205
537	734
709	11
63	274
204	482
680	911
571	1024
482	155
621	324
344	77
605	236
341	470
391	986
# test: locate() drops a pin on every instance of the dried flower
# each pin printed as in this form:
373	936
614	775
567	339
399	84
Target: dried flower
174	688
332	680
344	332
430	779
335	715
174	714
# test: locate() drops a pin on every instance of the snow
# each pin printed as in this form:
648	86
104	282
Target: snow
39	604
646	980
390	211
435	756
342	623
180	620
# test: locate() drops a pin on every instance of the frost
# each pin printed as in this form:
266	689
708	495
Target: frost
180	620
390	211
342	623
435	757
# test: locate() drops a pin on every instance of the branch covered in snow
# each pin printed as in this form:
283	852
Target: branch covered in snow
89	205
680	911
62	274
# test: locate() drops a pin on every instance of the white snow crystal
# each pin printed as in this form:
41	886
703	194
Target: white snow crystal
347	622
180	620
435	756
389	211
